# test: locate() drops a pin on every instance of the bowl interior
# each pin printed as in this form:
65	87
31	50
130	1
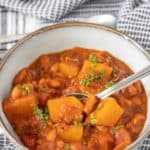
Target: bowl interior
53	39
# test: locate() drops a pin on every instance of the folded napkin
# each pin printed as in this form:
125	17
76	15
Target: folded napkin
133	18
48	9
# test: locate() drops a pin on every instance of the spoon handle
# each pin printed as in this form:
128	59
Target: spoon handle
124	83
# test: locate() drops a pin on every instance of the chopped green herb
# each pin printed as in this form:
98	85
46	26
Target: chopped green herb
76	123
67	146
101	74
109	84
43	89
84	124
93	59
91	77
85	82
98	76
119	126
42	115
93	120
26	89
46	110
45	117
38	112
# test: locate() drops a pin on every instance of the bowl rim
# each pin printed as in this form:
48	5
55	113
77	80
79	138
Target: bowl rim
62	25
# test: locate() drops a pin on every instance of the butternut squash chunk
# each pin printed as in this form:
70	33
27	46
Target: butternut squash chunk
68	69
89	67
70	133
54	106
65	109
108	113
19	108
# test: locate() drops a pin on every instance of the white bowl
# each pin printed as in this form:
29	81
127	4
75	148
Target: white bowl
62	36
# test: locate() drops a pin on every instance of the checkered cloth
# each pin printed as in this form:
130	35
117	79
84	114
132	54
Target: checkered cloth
134	20
23	16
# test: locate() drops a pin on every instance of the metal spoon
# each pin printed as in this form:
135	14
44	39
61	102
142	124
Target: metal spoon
118	86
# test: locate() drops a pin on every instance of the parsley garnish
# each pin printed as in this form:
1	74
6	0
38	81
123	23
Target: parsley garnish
76	123
26	89
119	126
109	84
93	59
67	146
84	124
38	112
101	74
93	120
91	77
46	114
42	115
85	82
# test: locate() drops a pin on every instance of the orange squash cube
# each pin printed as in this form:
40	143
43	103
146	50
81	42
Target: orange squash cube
65	109
108	112
70	133
68	69
89	67
20	108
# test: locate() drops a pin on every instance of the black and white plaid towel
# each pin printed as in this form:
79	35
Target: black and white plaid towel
23	16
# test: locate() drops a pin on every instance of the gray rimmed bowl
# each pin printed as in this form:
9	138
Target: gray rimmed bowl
62	36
